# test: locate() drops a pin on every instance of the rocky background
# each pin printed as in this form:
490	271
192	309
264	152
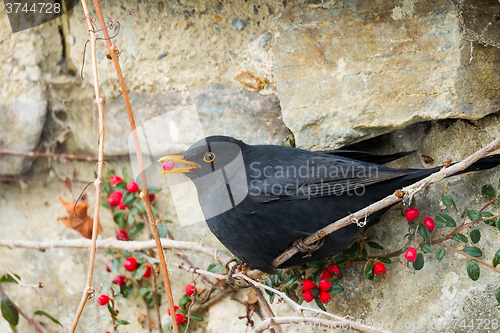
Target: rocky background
403	75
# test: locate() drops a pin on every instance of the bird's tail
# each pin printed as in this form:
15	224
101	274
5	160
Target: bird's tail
484	163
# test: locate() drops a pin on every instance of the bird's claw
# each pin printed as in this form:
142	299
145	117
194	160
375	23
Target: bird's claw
232	270
309	249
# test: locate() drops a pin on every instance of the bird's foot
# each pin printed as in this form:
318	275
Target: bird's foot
309	249
230	280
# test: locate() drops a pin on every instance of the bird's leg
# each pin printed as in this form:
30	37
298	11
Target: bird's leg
232	270
299	244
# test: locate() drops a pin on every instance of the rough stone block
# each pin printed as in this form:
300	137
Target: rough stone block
353	71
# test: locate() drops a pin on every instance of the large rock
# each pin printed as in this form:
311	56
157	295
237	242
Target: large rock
351	72
24	59
223	110
21	123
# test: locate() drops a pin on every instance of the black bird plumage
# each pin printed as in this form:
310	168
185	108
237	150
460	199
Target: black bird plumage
264	219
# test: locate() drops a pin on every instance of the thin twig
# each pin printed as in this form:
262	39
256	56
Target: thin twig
389	200
100	106
30	320
267	309
297	321
155	300
21	284
113	53
470	257
70	157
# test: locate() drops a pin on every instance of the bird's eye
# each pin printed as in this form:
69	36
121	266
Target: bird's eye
209	157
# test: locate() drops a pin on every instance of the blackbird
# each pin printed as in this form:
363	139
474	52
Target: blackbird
258	200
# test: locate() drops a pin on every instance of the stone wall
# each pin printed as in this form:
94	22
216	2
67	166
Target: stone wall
336	73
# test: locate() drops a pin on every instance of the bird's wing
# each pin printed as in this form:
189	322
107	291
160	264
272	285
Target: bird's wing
301	174
368	157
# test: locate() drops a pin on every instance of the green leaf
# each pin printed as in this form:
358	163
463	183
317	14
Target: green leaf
459	238
153	190
473	270
497	295
196	317
111	310
374	245
473	251
497	223
290	280
494	261
133	210
184	300
473	214
162	230
106	187
443	219
127	290
125	172
336	289
115	265
119	217
440	252
8	278
425	248
385	260
9	311
447	200
121	322
128	198
339	260
54	320
475	235
216	267
116	288
368	270
281	274
130	219
138	227
319	304
423	231
419	262
488	191
319	264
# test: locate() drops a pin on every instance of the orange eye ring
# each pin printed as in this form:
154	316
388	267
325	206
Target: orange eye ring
209	157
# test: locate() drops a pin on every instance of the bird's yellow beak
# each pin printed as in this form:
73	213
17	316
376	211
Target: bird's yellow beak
178	159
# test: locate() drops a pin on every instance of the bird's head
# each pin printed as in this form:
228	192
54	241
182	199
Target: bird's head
206	156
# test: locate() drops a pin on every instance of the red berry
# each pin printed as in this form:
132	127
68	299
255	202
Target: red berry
325	297
147	273
108	265
115	180
167	165
119	280
179	318
190	289
175	309
122	235
307	284
122	206
307	296
325	285
132	186
327	272
379	268
411	254
411	214
103	300
113	200
130	264
429	223
152	197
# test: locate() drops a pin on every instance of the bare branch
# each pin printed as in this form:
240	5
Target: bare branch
308	322
98	182
409	191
